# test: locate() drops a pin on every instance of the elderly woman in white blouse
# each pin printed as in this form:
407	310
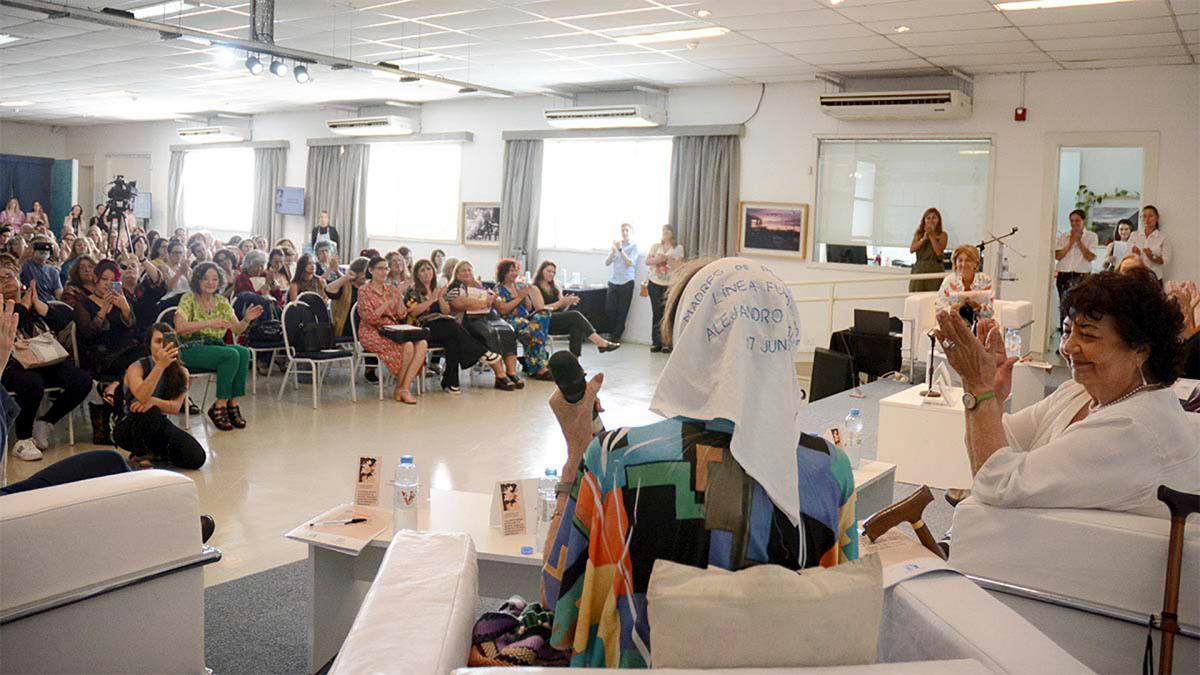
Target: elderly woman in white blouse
966	285
1105	439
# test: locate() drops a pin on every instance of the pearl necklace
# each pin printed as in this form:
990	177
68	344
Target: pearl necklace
1094	406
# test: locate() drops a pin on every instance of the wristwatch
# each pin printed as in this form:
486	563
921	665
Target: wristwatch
561	488
971	401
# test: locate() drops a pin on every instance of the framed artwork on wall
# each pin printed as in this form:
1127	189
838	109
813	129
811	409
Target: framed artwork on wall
773	228
479	223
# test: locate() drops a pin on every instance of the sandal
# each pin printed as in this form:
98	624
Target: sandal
235	416
220	418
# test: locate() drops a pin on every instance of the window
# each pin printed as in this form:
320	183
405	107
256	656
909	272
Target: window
413	190
872	192
591	186
218	191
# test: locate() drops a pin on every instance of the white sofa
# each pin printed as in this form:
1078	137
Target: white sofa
103	576
418	615
1038	560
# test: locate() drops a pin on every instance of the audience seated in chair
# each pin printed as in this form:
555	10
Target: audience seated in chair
105	324
563	319
381	304
521	306
306	279
474	305
723	469
203	319
28	386
428	308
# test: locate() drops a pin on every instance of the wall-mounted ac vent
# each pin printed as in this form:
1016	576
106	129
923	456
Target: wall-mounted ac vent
897	105
605	117
217	134
384	125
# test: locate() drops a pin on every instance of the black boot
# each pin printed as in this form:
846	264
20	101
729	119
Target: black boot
101	415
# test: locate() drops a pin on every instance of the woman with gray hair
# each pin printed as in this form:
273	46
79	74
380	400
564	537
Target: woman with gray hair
253	277
203	318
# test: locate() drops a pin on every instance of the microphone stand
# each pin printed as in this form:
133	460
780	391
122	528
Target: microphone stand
929	392
1000	239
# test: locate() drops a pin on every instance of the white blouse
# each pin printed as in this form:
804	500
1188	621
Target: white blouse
1114	459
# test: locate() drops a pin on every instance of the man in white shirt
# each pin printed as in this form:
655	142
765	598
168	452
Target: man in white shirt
1150	244
1074	253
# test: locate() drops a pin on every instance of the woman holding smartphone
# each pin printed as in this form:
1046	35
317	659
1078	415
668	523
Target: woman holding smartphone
104	318
155	387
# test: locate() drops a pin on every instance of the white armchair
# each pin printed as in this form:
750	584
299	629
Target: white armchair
103	576
417	618
1087	578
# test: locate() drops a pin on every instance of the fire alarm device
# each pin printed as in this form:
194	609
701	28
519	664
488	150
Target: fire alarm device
1019	114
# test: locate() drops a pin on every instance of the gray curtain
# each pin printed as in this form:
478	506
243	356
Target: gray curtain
268	175
337	183
704	193
175	191
520	200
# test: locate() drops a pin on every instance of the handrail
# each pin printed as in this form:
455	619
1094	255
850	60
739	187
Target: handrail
206	556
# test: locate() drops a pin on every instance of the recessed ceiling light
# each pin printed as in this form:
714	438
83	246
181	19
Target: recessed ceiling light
835	2
15	104
5	38
703	13
162	8
902	29
673	35
414	60
1050	4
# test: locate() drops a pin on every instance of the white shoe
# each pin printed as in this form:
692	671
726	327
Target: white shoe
26	449
41	434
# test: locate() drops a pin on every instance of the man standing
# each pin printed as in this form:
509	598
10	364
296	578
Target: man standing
623	258
1074	253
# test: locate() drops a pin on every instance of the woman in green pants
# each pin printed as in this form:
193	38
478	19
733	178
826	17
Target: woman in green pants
203	318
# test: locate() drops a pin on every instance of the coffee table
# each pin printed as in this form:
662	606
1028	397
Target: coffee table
338	583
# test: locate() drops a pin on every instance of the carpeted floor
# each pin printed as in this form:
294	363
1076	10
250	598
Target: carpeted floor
257	624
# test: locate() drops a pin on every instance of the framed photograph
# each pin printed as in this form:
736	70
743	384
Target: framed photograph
479	223
774	228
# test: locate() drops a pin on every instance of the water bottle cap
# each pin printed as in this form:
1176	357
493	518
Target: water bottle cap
406	459
855	412
552	472
526	550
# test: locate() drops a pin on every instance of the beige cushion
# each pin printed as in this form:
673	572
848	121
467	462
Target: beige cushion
764	616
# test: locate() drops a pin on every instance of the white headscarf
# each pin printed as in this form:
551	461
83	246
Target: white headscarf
735	335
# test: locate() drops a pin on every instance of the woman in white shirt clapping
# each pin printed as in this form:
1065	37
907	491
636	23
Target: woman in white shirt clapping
1150	243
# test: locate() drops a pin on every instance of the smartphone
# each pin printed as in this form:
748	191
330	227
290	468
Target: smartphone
170	339
116	287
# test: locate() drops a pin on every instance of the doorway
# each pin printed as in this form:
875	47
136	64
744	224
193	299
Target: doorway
85	190
1105	182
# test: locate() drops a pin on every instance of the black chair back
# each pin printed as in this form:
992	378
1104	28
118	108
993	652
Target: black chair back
316	303
832	374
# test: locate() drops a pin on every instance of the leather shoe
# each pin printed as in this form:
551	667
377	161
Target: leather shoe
207	527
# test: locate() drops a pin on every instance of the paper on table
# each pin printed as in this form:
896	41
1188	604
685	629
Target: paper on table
902	557
349	539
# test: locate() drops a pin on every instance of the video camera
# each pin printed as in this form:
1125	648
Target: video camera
120	197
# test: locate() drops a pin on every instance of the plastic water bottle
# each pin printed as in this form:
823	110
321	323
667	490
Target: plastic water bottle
1012	341
407	487
547	503
852	433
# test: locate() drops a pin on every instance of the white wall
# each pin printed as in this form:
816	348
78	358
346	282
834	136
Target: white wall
33	140
779	153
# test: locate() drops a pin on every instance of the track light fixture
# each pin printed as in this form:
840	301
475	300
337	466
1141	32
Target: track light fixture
279	68
254	65
409	78
468	90
301	73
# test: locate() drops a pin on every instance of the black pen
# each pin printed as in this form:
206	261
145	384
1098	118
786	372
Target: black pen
350	521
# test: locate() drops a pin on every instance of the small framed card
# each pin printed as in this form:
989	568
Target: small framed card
366	485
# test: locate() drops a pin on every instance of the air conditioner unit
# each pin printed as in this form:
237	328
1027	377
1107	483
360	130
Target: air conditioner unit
214	134
606	117
944	104
384	125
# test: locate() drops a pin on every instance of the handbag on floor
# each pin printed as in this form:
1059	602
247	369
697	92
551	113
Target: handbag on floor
314	336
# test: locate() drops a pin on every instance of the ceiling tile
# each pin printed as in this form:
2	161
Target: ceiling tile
1185	6
1189	21
1014	68
1132	63
1158	24
866	56
911	9
1108	54
1110	41
798	34
833	46
925	24
958	37
967	60
981	48
792	19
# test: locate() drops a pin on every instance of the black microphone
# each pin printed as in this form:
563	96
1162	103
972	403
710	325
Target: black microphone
572	382
568	375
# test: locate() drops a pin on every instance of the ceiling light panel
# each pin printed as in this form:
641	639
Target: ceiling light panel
1023	5
161	9
1119	12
